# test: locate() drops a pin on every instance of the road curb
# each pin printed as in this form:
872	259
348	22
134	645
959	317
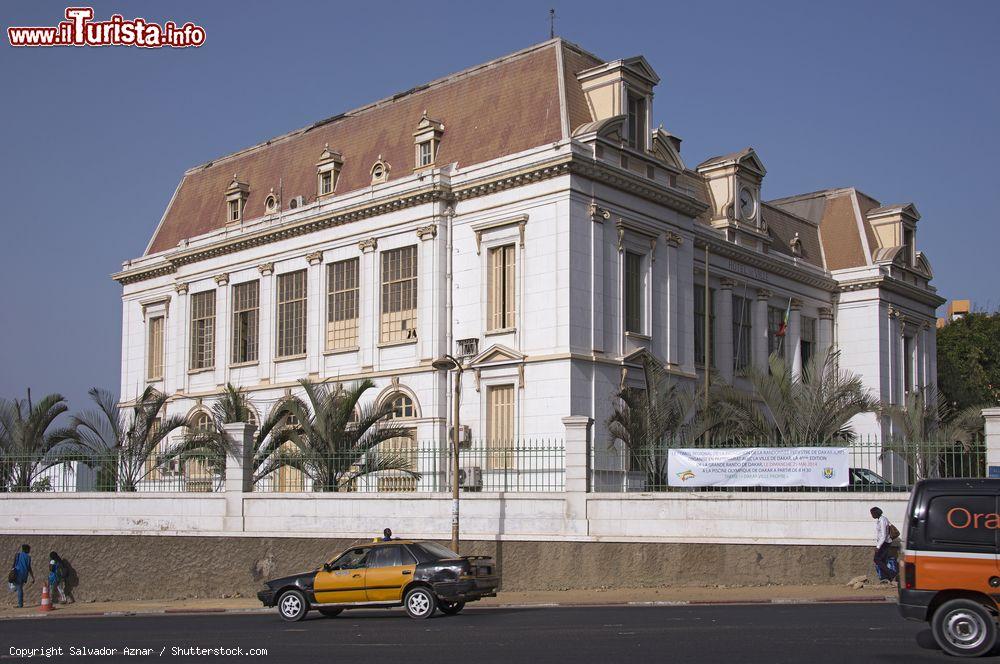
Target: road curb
880	599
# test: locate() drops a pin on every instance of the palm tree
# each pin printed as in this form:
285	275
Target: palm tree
212	445
332	446
932	437
120	442
27	447
647	422
782	408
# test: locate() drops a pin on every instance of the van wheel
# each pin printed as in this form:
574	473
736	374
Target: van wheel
420	603
451	608
292	605
964	628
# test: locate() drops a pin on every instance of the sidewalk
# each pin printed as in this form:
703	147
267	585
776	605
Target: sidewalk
636	596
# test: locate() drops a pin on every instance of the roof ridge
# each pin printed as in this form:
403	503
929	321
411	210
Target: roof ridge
469	71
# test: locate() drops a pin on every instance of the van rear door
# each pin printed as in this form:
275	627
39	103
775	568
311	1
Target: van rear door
958	545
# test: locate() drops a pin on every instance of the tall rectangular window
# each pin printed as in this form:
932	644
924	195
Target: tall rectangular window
154	349
700	319
325	182
203	330
775	332
426	154
500	286
291	314
742	332
908	252
500	426
637	122
246	321
807	343
398	321
342	304
234	210
633	292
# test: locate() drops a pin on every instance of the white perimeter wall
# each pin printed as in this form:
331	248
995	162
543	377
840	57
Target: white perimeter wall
763	518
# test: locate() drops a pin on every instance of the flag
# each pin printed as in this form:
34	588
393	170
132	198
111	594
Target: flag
783	328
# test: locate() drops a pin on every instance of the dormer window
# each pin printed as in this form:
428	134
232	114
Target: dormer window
908	250
236	198
426	139
380	171
271	203
637	132
328	171
795	244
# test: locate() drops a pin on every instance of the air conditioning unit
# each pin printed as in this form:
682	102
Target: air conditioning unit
464	435
470	478
296	202
467	347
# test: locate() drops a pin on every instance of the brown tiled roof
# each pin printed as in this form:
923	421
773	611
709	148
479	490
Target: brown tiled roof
783	226
867	204
503	107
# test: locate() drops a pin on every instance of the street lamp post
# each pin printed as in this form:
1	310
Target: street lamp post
447	363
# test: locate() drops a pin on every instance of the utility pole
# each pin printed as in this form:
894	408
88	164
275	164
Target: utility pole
447	363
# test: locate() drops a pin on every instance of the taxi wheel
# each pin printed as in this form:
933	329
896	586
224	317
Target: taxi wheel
964	628
451	608
292	606
420	603
330	613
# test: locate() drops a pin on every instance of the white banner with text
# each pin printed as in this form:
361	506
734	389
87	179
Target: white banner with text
759	466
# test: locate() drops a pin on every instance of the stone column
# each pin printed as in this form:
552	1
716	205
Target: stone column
598	215
314	313
221	327
675	322
793	337
577	446
724	329
758	341
177	355
265	322
824	331
239	472
992	416
368	334
427	287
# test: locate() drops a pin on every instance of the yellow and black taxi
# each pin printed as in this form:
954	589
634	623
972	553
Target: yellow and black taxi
951	563
420	576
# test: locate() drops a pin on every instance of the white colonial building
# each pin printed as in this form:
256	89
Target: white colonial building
526	216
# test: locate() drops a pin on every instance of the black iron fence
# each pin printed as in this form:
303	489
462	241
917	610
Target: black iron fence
890	466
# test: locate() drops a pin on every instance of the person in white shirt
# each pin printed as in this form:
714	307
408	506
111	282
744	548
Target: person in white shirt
882	543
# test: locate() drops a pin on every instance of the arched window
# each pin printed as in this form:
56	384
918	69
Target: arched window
404	446
402	408
197	472
201	422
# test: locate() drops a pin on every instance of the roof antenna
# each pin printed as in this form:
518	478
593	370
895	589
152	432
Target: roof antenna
552	24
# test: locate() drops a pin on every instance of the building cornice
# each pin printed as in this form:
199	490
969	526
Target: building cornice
721	247
894	286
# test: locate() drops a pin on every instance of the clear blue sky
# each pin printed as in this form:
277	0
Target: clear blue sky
900	99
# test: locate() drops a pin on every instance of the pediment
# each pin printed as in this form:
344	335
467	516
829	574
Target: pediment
665	150
639	66
497	354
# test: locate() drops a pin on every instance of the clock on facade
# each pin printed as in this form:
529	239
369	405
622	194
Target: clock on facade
748	206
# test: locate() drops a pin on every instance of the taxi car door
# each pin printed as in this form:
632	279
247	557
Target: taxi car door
344	582
389	568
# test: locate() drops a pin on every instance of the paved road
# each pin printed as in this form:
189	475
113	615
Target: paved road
833	633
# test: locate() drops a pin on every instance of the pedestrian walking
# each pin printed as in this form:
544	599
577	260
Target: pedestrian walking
885	532
21	571
57	578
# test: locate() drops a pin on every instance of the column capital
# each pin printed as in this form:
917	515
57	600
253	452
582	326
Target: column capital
673	239
825	313
428	232
181	288
315	257
795	304
266	269
764	294
727	284
599	214
221	279
371	244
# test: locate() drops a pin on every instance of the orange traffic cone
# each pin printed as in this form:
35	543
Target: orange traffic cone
46	604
